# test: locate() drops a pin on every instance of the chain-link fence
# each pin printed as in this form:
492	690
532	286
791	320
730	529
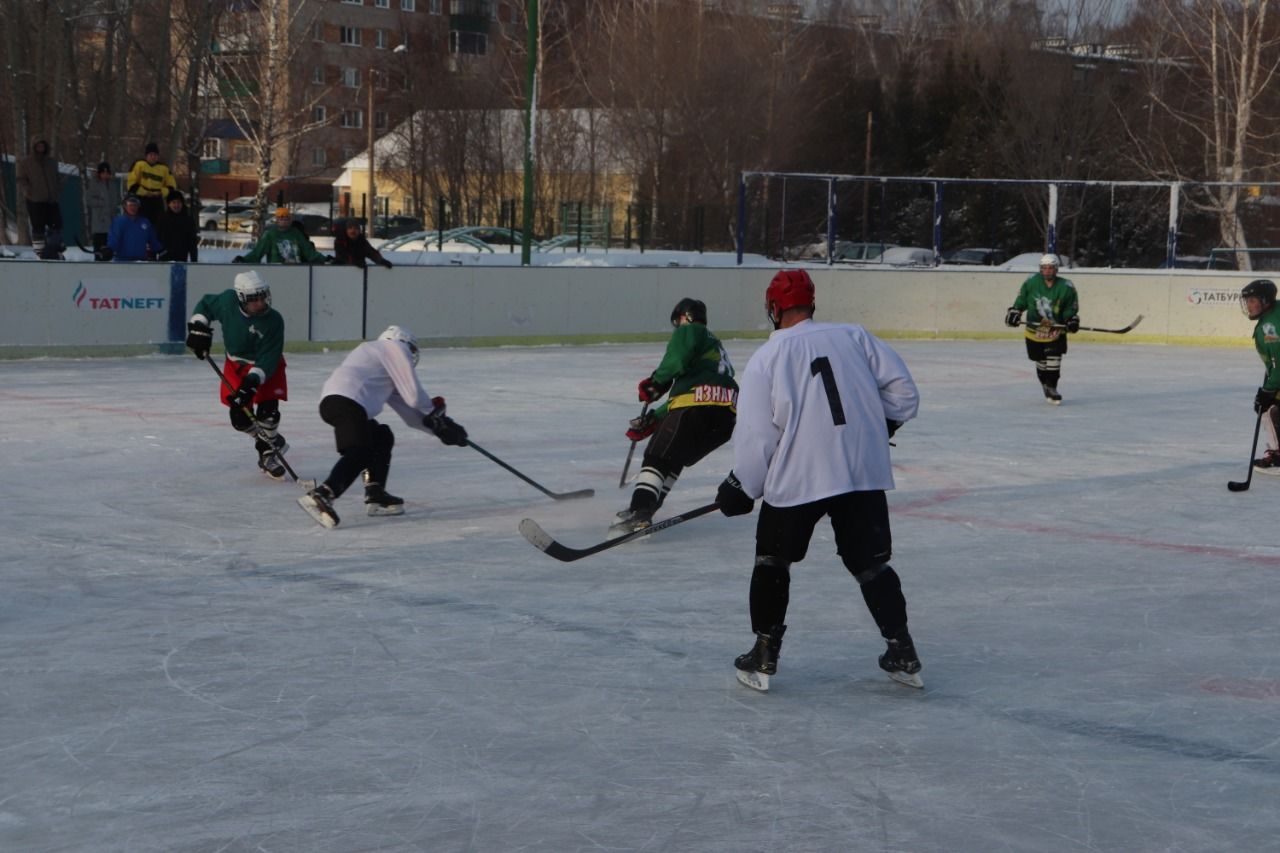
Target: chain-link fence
1135	224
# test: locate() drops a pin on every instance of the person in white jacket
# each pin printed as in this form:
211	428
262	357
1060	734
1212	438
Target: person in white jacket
375	374
817	405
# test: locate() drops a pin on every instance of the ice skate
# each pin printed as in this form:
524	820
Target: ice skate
756	666
378	501
318	504
271	465
900	660
1268	462
1051	394
631	520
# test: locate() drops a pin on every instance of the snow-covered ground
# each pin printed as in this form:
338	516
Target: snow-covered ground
192	664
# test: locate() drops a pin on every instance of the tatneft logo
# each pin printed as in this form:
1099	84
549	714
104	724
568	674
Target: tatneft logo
118	301
1219	296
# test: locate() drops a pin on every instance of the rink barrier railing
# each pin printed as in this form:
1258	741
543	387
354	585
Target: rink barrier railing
86	309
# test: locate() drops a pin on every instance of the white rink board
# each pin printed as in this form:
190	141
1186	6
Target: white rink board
328	303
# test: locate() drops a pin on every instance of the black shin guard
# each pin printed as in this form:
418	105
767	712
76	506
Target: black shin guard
883	595
770	593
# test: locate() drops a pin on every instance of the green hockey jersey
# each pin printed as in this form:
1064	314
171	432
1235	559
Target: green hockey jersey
1046	306
698	369
254	340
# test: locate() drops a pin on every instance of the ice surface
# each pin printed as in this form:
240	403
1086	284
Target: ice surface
192	664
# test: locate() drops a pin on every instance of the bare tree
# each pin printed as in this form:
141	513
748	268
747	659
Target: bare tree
1212	121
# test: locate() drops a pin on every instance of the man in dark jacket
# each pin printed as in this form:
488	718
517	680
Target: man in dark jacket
351	248
177	231
39	185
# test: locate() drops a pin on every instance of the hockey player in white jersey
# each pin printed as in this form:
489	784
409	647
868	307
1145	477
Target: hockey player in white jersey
375	374
816	407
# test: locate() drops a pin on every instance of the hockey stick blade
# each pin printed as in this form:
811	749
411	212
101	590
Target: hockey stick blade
1236	485
559	496
547	544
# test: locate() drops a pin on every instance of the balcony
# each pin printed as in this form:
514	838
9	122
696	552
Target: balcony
215	167
470	16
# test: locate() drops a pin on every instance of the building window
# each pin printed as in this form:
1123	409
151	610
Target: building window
317	156
380	119
347	153
407	5
380	39
244	155
349	36
317	74
468	44
351	77
353	118
319	114
434	6
382	4
211	149
317	31
354	2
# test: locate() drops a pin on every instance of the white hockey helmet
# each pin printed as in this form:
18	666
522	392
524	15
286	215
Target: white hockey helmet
404	336
1049	261
250	287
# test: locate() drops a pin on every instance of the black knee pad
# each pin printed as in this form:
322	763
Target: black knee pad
866	574
383	438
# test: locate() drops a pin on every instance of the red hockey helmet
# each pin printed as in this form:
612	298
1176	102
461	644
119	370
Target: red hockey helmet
789	289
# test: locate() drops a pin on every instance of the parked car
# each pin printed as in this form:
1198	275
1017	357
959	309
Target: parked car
1030	262
216	214
313	223
976	257
847	250
907	256
394	226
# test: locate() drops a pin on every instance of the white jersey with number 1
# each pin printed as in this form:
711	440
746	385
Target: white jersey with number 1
812	405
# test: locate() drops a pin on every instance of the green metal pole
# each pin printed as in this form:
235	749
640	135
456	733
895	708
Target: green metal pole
530	126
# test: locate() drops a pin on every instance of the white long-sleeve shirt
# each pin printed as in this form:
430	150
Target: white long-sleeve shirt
787	445
380	373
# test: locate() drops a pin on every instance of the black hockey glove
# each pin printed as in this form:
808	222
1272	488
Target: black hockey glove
893	426
1263	400
199	339
386	264
643	426
1013	317
446	429
1073	324
733	501
243	397
238	259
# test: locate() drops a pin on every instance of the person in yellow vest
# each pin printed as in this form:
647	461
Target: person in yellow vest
150	180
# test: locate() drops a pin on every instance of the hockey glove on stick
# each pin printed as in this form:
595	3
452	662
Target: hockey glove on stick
642	427
1013	318
243	396
199	339
893	426
732	500
446	428
649	391
1073	324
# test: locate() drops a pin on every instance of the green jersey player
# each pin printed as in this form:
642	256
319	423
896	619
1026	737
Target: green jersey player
253	336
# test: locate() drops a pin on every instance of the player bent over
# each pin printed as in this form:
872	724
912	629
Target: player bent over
1052	307
253	335
1258	301
818	404
375	374
697	417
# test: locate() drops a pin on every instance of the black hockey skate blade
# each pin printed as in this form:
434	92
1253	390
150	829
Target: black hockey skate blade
754	680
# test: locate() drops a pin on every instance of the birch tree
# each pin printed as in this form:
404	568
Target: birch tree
1212	121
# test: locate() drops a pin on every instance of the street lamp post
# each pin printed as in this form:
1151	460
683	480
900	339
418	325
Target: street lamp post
372	208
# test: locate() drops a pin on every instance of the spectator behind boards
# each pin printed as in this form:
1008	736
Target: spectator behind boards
283	244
